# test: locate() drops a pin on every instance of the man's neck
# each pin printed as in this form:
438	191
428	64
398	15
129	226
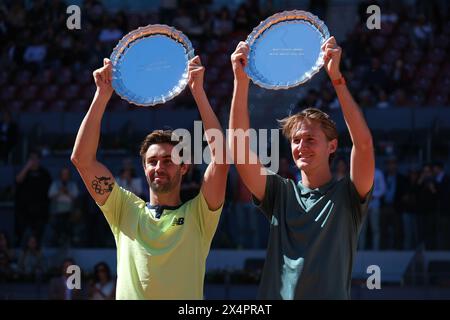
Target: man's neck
313	180
165	199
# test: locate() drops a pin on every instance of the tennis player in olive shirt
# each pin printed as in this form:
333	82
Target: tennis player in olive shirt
314	224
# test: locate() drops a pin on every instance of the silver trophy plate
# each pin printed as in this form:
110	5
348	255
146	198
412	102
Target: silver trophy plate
285	49
150	65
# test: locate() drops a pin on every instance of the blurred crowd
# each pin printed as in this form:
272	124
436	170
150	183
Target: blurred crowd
32	267
46	67
403	64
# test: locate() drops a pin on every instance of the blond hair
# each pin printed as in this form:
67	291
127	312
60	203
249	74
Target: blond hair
289	124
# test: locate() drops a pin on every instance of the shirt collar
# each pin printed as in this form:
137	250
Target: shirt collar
305	191
159	210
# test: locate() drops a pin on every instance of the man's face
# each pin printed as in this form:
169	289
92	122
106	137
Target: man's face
162	174
35	161
310	147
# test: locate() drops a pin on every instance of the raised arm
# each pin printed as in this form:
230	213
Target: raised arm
246	161
362	162
215	178
23	173
98	179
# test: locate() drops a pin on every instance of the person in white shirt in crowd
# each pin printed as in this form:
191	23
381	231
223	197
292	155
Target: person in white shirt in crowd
104	285
63	194
373	219
58	289
31	260
128	179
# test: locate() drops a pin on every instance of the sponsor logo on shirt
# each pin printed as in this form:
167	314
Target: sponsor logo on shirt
177	221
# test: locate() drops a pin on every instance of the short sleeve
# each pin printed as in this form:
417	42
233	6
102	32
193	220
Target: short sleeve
118	208
207	219
359	207
274	195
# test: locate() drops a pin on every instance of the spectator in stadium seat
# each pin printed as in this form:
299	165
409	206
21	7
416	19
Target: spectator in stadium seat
376	77
58	288
198	24
103	286
401	98
63	194
422	32
311	100
410	209
111	33
128	180
183	21
398	75
31	262
242	20
78	228
373	219
32	203
314	224
391	207
365	98
383	100
328	101
154	239
94	9
222	23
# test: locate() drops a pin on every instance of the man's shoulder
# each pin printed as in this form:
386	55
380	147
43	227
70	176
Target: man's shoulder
279	179
192	202
125	195
343	184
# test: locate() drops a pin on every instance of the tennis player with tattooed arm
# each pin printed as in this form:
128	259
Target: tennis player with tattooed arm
315	224
161	245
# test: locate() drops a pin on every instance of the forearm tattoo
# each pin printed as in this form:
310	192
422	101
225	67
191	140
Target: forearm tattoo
102	185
